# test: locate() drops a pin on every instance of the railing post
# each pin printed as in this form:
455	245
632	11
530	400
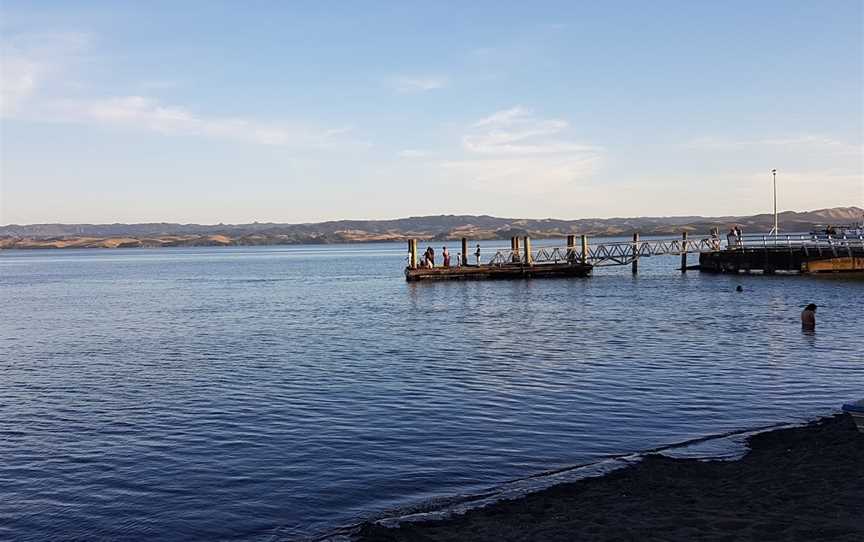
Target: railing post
635	264
412	253
584	250
684	251
464	251
529	259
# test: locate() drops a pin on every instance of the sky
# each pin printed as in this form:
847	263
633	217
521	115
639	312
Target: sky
236	112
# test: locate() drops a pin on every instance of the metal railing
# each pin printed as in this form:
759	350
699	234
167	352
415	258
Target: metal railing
626	252
818	245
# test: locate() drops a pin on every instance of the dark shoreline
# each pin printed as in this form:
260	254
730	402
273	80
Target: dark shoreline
802	483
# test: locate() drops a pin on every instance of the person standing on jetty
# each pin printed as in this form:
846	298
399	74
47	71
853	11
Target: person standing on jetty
446	256
808	318
731	241
715	238
477	254
430	256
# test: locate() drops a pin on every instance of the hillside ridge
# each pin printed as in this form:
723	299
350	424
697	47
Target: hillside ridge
433	227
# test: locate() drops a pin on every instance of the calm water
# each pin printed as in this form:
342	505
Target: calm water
273	393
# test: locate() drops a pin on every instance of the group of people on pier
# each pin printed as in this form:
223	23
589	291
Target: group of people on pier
429	257
733	238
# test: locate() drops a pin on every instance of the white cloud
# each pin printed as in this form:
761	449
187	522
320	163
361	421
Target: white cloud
816	187
413	153
159	85
419	83
481	52
18	77
504	117
27	60
518	131
524	175
799	142
515	151
34	79
143	113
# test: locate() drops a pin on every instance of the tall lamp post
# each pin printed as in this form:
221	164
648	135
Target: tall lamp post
774	174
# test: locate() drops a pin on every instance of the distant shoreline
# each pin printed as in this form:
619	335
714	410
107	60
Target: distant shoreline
424	228
71	243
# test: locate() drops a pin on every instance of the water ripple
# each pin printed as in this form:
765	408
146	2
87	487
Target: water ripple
261	393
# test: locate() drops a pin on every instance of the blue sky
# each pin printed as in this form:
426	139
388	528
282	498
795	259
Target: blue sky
304	111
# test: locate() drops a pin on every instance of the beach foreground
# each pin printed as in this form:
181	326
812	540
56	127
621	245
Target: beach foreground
804	483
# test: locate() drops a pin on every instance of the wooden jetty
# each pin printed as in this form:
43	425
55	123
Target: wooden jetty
804	254
765	254
518	263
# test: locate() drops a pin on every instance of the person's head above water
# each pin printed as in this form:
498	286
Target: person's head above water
810	307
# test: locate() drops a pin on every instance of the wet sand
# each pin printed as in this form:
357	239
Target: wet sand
803	483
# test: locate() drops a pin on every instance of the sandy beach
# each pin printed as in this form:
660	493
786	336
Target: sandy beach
803	483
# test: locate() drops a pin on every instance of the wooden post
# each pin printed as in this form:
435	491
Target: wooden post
529	259
464	251
516	258
584	249
412	253
684	251
635	264
571	248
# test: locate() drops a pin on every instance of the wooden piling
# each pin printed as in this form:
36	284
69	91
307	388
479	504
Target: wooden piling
529	259
464	251
635	264
571	248
684	251
516	251
412	253
584	249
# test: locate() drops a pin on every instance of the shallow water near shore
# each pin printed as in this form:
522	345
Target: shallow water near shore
266	393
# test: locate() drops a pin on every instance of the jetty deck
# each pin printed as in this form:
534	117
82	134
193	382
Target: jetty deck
507	271
804	254
764	254
520	262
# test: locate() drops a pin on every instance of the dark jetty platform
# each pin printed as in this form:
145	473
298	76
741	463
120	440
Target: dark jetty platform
802	255
504	271
519	262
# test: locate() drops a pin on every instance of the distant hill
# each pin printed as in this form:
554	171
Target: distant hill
439	227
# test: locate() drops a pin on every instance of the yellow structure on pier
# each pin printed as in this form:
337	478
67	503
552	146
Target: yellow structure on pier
834	265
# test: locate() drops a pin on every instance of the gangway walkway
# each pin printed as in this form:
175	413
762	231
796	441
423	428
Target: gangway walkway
604	254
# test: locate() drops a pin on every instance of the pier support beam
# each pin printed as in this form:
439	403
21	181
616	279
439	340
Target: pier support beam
529	259
571	248
584	249
515	247
464	251
684	251
635	265
412	253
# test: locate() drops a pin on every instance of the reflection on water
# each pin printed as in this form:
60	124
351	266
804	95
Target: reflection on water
250	393
809	337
